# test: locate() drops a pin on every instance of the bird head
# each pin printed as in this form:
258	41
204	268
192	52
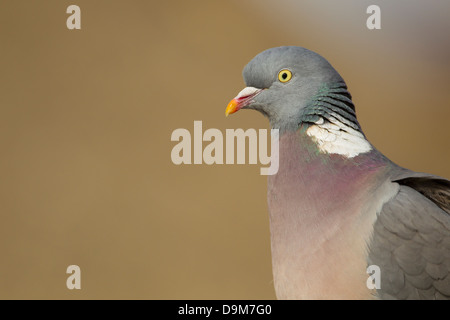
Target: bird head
280	83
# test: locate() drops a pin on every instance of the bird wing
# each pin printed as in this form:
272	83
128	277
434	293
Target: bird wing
411	240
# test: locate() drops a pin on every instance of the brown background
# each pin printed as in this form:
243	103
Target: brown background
86	117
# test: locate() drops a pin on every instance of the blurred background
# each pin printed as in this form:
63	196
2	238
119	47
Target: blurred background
86	176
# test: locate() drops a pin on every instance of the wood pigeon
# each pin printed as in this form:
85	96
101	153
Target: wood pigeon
340	211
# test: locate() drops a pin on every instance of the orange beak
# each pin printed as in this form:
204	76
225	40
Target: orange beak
243	99
232	107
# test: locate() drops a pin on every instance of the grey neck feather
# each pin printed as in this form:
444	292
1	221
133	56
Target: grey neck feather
331	101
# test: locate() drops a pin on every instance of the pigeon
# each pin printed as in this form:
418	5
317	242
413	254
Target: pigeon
345	221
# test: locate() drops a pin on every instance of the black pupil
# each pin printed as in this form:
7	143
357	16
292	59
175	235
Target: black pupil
284	75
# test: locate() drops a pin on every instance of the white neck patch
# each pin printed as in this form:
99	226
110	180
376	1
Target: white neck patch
336	137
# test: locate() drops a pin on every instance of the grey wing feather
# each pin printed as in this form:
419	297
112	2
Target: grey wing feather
435	189
411	240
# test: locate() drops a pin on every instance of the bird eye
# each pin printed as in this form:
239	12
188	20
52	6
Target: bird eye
284	75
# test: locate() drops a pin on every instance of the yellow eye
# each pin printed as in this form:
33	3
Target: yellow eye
284	75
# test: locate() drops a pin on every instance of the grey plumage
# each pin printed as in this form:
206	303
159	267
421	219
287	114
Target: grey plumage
411	238
337	205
